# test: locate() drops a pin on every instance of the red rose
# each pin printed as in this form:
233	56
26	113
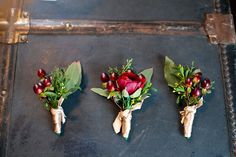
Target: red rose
131	82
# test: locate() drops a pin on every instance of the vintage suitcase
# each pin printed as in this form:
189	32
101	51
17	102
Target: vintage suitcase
48	33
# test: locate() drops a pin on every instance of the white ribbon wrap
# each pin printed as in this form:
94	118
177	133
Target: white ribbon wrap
187	117
123	120
58	117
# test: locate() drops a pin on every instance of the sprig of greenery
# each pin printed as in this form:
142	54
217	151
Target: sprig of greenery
126	67
176	76
63	83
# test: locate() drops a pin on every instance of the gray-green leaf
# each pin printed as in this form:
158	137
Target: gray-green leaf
169	72
100	91
148	74
125	93
73	75
136	93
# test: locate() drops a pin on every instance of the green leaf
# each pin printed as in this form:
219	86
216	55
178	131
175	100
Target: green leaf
178	100
148	74
125	93
189	90
187	73
50	94
136	93
182	70
179	89
73	75
100	91
114	94
47	106
169	72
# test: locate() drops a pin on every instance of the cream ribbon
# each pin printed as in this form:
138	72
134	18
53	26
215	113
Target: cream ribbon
58	117
123	120
187	117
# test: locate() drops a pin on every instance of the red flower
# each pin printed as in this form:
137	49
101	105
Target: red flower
131	82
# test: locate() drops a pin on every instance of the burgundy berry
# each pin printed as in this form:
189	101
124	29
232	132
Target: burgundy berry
199	74
104	77
142	77
41	73
111	86
37	89
40	84
47	82
113	76
129	71
206	84
188	82
196	79
196	92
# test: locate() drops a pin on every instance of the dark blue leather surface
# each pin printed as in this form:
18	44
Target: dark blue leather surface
121	9
156	129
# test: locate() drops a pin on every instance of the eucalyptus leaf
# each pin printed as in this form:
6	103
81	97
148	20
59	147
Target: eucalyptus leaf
73	75
136	93
169	72
148	74
100	91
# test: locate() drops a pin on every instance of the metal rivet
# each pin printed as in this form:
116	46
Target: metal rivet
4	93
68	26
213	40
23	38
25	14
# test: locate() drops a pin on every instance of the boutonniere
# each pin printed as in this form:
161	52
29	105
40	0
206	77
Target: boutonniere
56	86
127	89
190	87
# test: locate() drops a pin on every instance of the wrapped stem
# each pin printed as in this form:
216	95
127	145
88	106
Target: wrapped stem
58	117
123	120
187	117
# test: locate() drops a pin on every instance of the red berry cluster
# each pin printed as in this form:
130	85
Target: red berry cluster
44	82
109	81
198	85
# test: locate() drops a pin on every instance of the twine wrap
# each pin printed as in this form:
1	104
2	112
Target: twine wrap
58	117
123	120
187	117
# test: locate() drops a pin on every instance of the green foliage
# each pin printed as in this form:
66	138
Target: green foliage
125	93
100	91
136	93
126	67
169	72
64	83
73	80
176	75
148	74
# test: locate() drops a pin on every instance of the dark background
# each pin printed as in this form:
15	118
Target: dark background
233	9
